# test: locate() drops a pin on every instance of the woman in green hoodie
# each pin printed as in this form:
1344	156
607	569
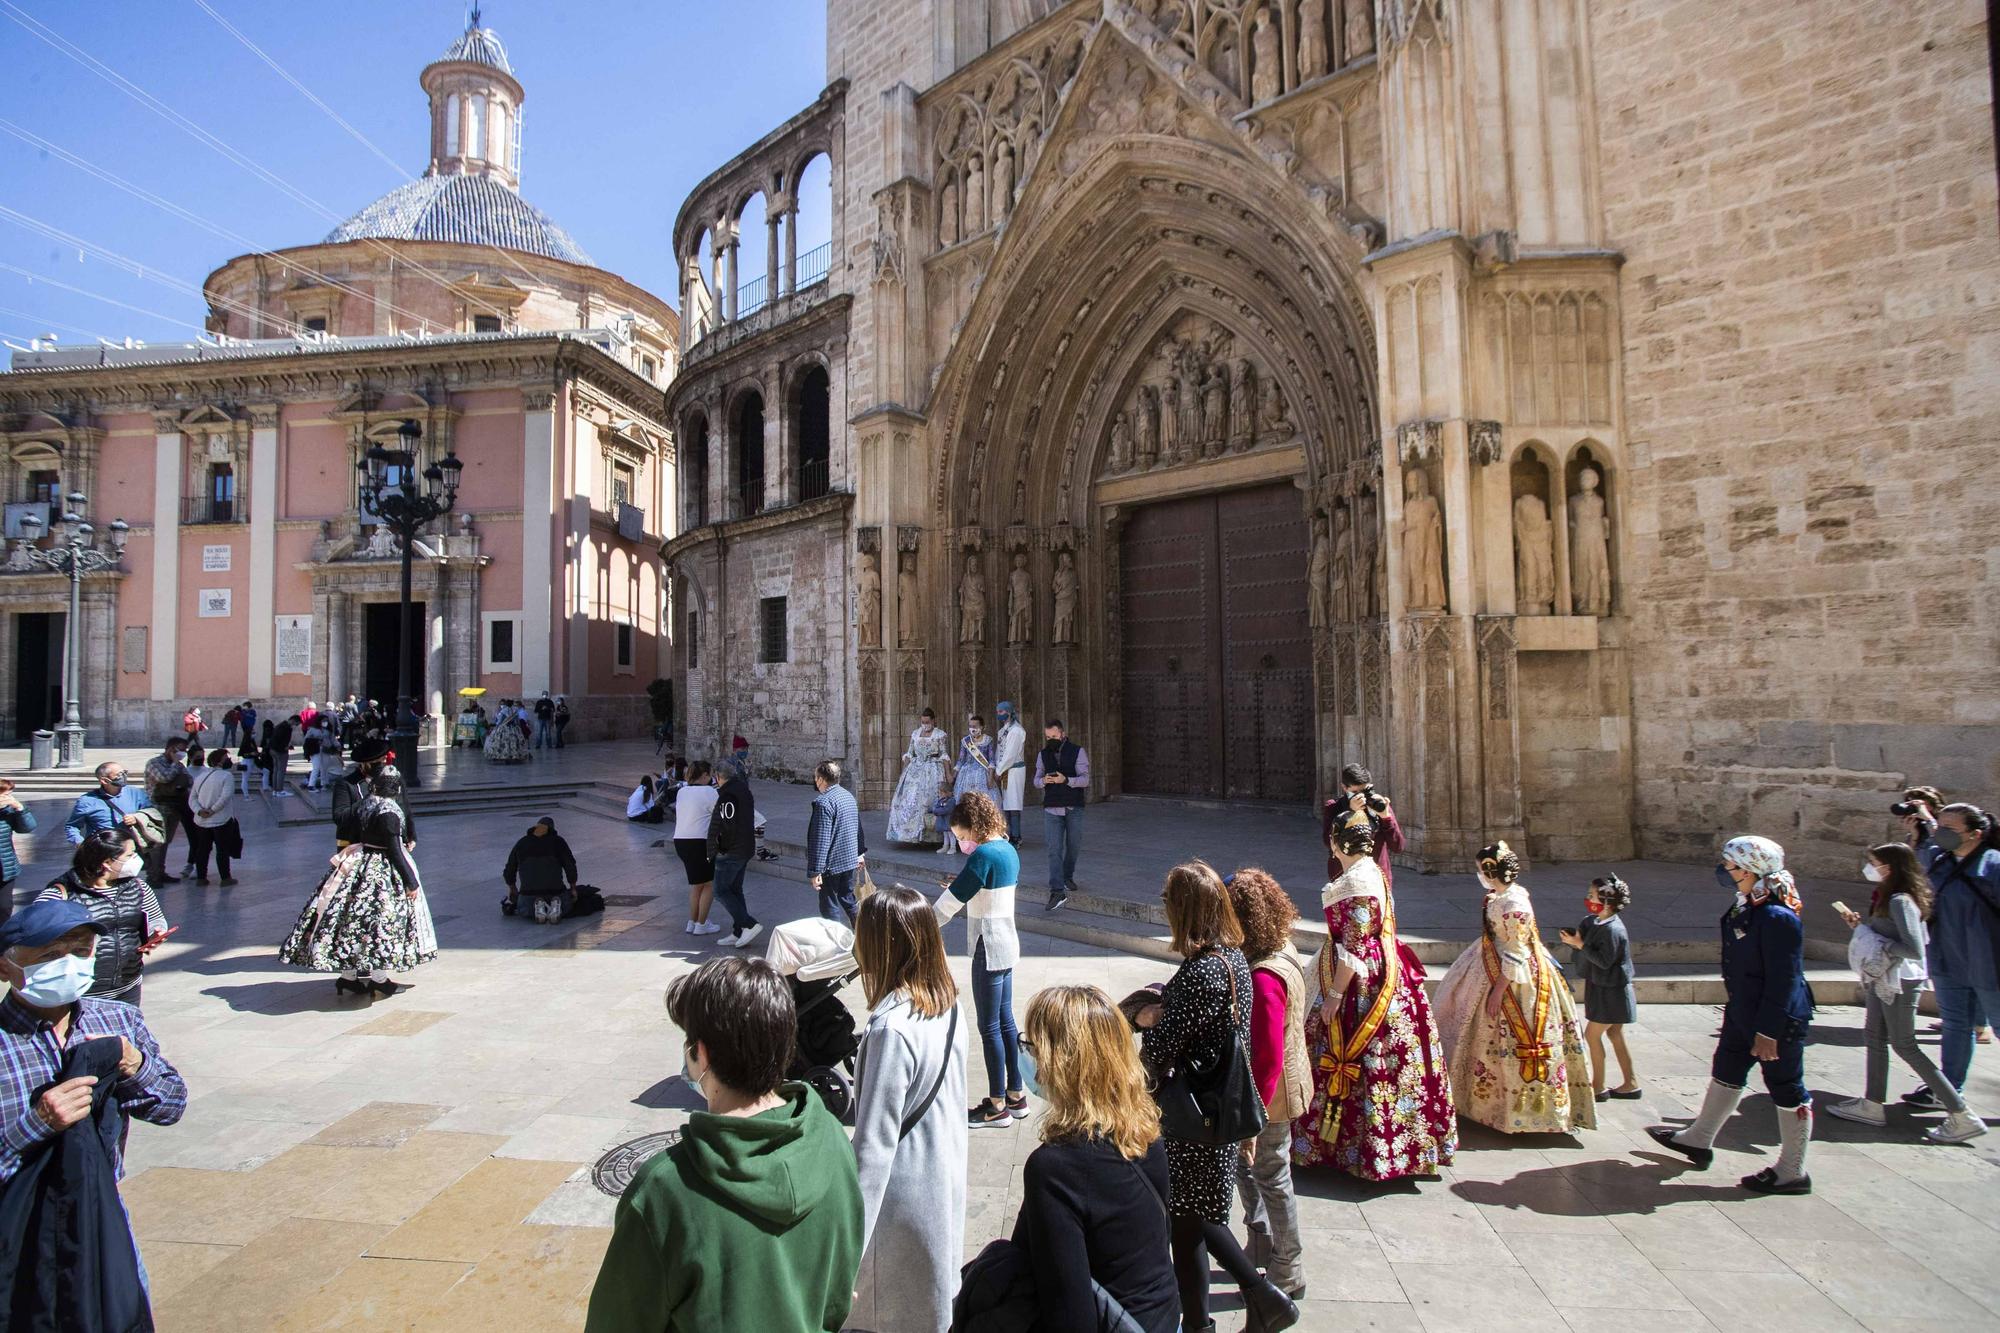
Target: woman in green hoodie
752	1220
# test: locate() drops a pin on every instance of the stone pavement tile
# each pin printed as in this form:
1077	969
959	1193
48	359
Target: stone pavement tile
385	1186
1317	1316
268	1275
565	1138
232	1145
1435	1231
380	1295
378	1125
1870	1282
577	1202
201	1207
1343	1267
1776	1302
1594	1271
1317	1213
1591	1320
1475	1296
498	1113
1788	1218
537	1278
1696	1235
471	1215
400	1023
1537	1202
172	1264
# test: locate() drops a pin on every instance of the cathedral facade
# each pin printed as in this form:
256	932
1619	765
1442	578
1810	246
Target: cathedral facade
1563	407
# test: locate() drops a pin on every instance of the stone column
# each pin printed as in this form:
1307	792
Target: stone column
791	261
537	550
771	225
263	546
333	617
166	556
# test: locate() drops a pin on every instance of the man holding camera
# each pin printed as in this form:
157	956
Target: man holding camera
1358	794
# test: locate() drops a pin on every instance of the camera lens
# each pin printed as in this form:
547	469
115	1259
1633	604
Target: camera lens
1903	809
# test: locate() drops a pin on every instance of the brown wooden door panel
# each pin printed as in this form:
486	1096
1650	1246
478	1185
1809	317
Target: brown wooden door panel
1169	728
1266	649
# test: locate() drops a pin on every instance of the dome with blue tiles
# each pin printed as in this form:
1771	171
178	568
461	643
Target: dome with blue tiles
466	209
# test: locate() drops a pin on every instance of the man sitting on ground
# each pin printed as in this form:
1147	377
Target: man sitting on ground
543	867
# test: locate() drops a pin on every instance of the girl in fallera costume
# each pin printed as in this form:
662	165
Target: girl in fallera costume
924	775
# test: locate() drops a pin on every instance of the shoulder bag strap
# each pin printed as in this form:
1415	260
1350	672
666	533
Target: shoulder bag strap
1958	872
911	1120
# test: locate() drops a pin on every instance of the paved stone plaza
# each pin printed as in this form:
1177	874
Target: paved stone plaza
425	1161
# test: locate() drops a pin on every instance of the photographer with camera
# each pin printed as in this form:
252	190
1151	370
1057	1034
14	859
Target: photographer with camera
1918	811
1358	794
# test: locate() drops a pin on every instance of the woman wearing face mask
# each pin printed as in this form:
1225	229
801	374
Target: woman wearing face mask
985	889
1888	952
909	1135
1600	947
1508	1020
1765	1021
974	772
1963	864
107	877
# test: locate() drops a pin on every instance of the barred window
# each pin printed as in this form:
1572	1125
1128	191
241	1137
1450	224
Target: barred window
774	645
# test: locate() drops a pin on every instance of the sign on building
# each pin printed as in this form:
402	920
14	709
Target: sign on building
132	650
215	559
214	603
294	646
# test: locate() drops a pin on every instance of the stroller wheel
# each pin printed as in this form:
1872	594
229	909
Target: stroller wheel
833	1088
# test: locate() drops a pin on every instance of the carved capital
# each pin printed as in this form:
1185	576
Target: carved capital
166	423
264	416
1484	441
909	537
1419	441
868	540
538	400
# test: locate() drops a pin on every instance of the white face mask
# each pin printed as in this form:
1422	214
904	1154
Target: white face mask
129	868
58	982
1873	873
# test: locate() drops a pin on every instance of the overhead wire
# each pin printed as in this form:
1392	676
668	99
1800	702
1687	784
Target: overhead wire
33	276
44	323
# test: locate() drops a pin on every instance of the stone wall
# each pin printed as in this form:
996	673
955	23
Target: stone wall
1805	195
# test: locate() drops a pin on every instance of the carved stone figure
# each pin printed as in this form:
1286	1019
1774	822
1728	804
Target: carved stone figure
1067	588
1019	514
1170	421
1020	601
1312	39
948	212
1370	583
1121	444
1319	579
1534	558
972	604
1214	412
868	599
1149	426
1265	67
1003	180
1423	545
1347	596
1360	28
1243	407
1589	548
382	543
908	633
975	196
1277	418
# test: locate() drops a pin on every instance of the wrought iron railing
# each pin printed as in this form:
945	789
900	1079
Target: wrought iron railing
815	264
752	295
750	495
814	478
214	509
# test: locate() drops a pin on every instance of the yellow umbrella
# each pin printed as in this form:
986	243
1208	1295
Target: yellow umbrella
473	691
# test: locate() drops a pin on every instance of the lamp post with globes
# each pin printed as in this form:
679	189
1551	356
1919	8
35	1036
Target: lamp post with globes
390	487
73	555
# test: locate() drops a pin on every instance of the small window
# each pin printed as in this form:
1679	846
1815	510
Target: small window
773	617
625	646
451	126
624	483
316	324
486	324
694	639
221	492
649	367
500	642
44	487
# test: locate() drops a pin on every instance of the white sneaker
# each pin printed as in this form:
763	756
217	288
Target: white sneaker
1860	1110
750	933
690	928
728	940
708	928
1958	1127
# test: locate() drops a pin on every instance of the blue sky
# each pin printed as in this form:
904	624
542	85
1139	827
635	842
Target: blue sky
629	104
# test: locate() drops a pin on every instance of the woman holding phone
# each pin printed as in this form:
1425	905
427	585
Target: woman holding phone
107	876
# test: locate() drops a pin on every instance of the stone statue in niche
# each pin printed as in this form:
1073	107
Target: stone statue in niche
948	212
972	603
1170	421
908	631
1589	548
1003	180
1265	68
868	598
1214	412
1319	578
1121	443
1360	28
1149	426
1423	545
1067	589
1534	558
1020	601
1346	595
1243	407
1370	583
975	195
1277	418
1312	39
1019	513
381	543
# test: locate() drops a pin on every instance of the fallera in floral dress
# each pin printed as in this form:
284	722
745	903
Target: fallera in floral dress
364	917
1381	1104
917	789
1522	1070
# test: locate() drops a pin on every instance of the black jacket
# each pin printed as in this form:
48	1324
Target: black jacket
1090	1215
119	909
541	867
64	1242
350	789
735	820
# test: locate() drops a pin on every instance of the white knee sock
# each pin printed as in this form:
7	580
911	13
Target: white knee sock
349	974
1717	1105
1794	1132
378	975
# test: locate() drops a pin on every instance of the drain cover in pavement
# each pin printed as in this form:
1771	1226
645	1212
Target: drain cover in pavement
614	1170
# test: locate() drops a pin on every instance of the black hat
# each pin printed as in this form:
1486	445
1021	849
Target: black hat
370	751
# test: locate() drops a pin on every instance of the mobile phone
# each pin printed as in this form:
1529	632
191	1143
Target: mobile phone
1840	907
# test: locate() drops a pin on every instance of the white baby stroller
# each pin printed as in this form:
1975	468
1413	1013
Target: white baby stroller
816	958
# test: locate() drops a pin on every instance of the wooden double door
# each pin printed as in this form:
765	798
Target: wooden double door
1217	648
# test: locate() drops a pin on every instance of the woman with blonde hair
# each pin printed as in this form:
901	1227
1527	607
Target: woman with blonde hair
909	1133
1093	1220
1203	1014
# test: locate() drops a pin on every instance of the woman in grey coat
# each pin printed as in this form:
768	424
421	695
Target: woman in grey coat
909	1120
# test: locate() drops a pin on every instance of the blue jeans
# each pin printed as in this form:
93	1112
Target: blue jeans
1065	834
836	896
1013	825
729	891
1963	1008
993	1005
545	733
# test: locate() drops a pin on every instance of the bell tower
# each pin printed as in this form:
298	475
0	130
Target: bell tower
475	108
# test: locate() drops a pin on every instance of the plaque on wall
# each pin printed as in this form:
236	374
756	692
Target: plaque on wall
215	559
294	646
213	604
132	649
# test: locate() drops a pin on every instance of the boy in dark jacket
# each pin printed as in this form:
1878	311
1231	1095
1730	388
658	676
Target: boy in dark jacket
734	825
541	866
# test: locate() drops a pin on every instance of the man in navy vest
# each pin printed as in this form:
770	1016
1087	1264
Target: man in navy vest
1062	771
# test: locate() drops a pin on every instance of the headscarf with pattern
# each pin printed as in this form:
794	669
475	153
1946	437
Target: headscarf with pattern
1766	860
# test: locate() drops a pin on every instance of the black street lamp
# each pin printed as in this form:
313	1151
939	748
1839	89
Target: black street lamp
73	555
391	493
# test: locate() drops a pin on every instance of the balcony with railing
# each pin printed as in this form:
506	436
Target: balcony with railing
214	509
815	478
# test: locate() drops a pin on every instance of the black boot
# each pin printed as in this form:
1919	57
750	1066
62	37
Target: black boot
345	986
1268	1309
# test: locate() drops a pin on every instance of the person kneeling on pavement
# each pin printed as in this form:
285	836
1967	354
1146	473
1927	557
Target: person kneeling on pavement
542	867
73	1068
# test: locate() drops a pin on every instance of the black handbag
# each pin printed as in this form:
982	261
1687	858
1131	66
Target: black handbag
1213	1101
996	1292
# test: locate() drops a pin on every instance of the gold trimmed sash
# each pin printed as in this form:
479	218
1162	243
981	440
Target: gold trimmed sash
1534	1053
1340	1062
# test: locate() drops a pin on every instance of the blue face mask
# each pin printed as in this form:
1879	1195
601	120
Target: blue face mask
694	1083
1723	878
58	982
1028	1068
